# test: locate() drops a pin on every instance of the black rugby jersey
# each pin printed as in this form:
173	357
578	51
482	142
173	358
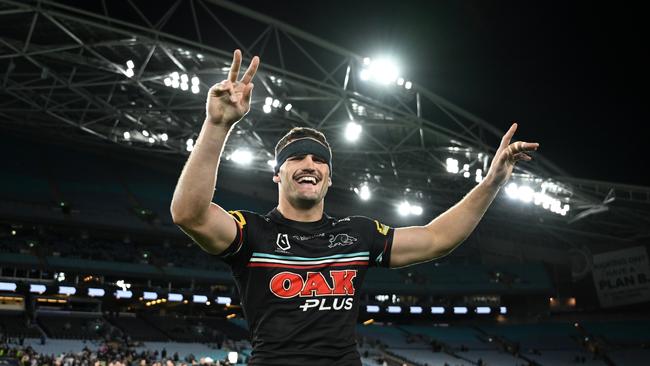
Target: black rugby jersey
299	284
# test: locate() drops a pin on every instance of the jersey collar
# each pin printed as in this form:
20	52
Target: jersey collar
276	216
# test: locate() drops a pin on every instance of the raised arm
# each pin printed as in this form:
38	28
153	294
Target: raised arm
438	238
192	208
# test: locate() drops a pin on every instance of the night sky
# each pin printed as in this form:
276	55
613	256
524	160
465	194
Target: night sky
573	74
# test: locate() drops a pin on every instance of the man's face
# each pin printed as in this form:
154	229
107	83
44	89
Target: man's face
304	180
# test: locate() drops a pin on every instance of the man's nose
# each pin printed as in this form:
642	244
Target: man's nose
311	163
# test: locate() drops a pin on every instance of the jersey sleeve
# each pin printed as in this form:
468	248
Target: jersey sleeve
239	251
380	241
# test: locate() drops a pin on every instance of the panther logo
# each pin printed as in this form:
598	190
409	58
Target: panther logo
341	240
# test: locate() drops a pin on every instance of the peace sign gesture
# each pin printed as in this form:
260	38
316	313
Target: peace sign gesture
229	100
507	155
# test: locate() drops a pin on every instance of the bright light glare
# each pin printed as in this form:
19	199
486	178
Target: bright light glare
408	85
96	292
127	135
224	300
242	156
130	64
272	163
200	299
364	192
195	80
526	194
168	81
232	357
184	78
36	288
195	89
437	310
400	81
404	208
512	190
383	71
266	108
129	73
184	86
174	297
352	131
276	103
364	75
394	309
164	137
452	165
67	290
268	100
372	308
288	107
460	310
8	286
416	210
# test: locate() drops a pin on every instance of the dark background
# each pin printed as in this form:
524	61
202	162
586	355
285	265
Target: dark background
573	74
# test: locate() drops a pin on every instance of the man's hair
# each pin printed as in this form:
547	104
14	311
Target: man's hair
298	133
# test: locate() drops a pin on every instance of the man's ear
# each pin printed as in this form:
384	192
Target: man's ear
276	178
329	181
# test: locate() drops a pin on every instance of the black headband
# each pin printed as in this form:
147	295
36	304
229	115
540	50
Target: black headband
303	146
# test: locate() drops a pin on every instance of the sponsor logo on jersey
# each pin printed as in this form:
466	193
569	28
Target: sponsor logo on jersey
341	240
287	285
307	237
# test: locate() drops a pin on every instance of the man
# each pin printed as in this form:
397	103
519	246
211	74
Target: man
298	270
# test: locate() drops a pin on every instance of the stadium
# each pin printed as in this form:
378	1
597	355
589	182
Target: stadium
101	106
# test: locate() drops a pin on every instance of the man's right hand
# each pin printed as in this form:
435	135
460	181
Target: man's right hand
229	101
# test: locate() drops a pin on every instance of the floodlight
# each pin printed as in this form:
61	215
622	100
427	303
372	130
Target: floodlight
127	135
164	137
195	80
452	165
174	297
151	140
129	73
130	64
242	156
352	131
96	292
168	81
175	83
363	192
195	89
415	210
437	310
184	86
394	309
460	310
404	208
145	133
184	78
266	108
288	107
408	85
174	75
224	300
36	288
372	308
199	298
